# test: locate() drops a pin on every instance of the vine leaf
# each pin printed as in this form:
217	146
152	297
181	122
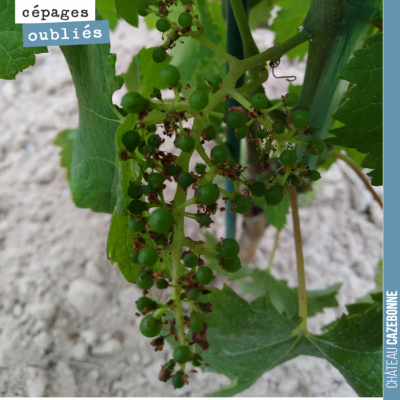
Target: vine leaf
65	139
247	340
284	297
94	170
260	14
14	57
128	10
108	10
362	113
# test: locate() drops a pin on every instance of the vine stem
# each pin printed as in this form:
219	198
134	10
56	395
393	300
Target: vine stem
271	259
302	293
358	171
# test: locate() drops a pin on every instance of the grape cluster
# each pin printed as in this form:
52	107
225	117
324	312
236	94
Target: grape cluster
158	225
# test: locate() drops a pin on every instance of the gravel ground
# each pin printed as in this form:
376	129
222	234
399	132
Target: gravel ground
67	323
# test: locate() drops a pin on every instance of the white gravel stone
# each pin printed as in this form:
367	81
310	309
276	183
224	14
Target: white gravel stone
43	340
36	382
79	351
42	311
108	348
66	384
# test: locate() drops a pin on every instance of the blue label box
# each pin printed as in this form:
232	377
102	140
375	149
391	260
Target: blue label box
66	33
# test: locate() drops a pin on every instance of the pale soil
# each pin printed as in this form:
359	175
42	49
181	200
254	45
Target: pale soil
67	323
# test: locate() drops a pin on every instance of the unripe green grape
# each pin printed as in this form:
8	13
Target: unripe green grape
135	192
134	257
157	93
182	354
186	143
314	175
145	302
196	323
207	194
148	257
311	130
261	134
185	179
161	220
294	181
301	118
241	133
288	158
142	9
170	75
162	283
210	133
198	99
144	280
136	207
149	327
154	141
174	170
177	381
137	224
243	205
204	220
273	195
204	275
259	101
186	1
159	55
279	128
197	360
133	103
229	248
193	294
190	260
236	119
152	128
316	147
232	265
149	149
149	191
131	140
162	25
155	181
185	20
219	154
257	189
200	169
291	99
214	82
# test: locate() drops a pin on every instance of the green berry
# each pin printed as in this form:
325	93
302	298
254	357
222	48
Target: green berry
261	134
186	143
288	158
137	224
301	118
157	93
279	128
243	205
148	257
193	294
146	303
207	194
204	275
159	55
144	280
200	169
135	192
174	170
136	207
314	175
142	9
241	133
185	179
148	191
273	195
112	59
197	360
152	128
133	103
177	381
186	1
185	20
149	149
236	119
204	220
182	354
257	189
229	248
162	283
170	75
155	181
161	220
131	140
162	25
316	147
294	180
149	327
259	101
196	323
134	257
210	133
311	130
190	260
214	82
198	99
291	99
219	154
232	265
154	141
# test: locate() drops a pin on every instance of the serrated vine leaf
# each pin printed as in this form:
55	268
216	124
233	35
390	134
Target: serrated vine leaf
94	170
247	340
108	10
284	297
128	10
65	140
362	112
377	16
14	57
